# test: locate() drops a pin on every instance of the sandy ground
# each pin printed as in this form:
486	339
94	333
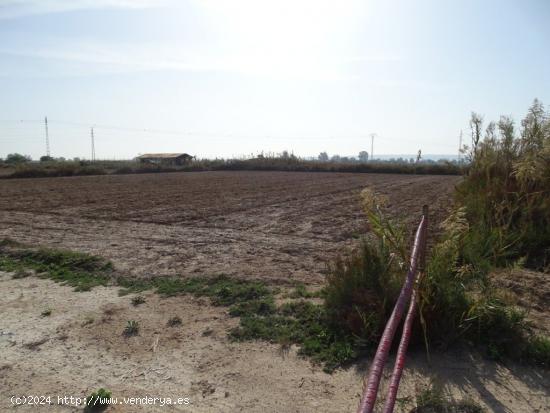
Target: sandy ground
530	290
80	348
276	226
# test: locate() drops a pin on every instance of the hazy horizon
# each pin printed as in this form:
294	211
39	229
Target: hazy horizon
222	79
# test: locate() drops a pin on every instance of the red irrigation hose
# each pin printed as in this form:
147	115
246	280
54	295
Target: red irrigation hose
400	358
371	389
405	336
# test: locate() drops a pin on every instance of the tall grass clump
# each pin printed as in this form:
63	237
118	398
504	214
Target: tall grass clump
501	218
362	287
458	304
506	192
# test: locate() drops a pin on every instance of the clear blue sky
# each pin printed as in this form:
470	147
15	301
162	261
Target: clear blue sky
243	76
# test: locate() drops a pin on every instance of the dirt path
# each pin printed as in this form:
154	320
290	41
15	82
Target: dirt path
80	348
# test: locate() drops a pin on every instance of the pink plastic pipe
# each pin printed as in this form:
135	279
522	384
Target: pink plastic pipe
401	355
371	388
406	334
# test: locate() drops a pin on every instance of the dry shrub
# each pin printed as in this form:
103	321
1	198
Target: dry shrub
506	194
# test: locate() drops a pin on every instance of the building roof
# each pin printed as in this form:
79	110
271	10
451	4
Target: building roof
163	155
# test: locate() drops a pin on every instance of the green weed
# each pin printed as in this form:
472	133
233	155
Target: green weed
263	306
302	323
537	351
131	329
82	271
98	401
300	291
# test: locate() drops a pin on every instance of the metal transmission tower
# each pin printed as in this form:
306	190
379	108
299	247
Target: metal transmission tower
460	147
93	144
47	137
372	135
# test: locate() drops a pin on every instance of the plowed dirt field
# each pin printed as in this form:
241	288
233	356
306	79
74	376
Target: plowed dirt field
276	226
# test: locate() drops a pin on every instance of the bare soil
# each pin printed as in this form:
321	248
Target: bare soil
279	227
275	226
80	348
529	290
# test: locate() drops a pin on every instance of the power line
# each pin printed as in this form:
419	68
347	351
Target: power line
220	135
21	120
206	134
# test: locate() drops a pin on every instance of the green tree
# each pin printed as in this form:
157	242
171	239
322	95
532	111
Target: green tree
17	158
323	157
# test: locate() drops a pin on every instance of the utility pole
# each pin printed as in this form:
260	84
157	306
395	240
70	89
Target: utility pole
93	144
372	135
47	136
460	146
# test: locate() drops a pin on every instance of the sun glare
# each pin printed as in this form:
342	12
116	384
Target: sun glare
285	37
